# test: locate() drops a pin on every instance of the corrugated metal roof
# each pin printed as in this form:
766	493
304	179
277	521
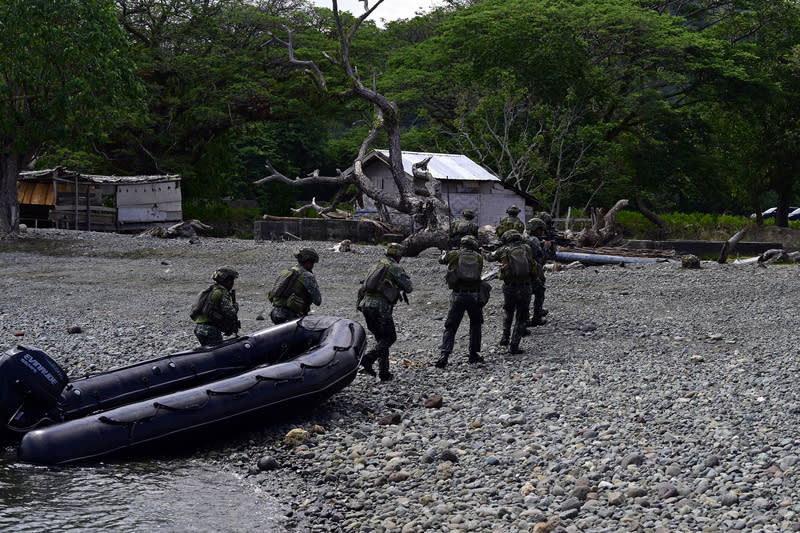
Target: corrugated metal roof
445	166
38	175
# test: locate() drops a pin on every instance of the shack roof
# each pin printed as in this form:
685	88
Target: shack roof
70	175
442	166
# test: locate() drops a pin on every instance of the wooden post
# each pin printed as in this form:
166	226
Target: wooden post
88	206
75	202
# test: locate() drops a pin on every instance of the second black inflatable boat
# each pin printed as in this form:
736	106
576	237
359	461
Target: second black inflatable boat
290	366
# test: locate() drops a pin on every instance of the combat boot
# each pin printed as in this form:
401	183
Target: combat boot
366	364
383	369
538	321
504	339
475	358
442	361
515	349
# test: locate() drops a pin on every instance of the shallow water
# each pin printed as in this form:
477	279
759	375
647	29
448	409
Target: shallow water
180	495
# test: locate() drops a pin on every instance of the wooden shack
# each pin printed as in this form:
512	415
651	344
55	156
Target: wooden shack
67	199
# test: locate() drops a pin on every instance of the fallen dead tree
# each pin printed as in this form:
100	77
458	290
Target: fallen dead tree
187	228
603	231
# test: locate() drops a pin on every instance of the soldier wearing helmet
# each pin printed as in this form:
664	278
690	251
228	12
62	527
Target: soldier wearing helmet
215	313
518	271
510	222
464	226
384	285
295	289
464	267
536	231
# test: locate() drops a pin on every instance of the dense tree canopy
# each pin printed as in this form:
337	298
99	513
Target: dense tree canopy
683	105
64	73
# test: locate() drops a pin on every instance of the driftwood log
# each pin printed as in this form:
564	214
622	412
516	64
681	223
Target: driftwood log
604	231
776	254
187	228
729	245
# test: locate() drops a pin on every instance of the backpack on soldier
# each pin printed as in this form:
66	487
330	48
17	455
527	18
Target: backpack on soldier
375	277
467	268
282	287
519	264
201	303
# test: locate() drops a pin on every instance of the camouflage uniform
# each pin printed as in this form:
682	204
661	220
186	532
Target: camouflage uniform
516	291
463	227
222	311
305	291
510	222
463	298
540	255
377	310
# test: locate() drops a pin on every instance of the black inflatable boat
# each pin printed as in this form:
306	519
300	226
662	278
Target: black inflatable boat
291	366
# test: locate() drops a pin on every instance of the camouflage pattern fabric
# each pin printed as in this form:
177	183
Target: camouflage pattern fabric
516	300
223	312
509	223
460	303
377	311
304	293
207	334
395	274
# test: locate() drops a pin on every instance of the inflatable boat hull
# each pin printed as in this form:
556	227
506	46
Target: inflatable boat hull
291	366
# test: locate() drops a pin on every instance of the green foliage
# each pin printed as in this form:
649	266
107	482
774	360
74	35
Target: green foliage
579	102
681	226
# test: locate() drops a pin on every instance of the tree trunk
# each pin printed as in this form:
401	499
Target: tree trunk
9	201
420	241
649	215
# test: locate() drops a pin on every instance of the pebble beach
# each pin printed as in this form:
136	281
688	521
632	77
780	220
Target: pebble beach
655	399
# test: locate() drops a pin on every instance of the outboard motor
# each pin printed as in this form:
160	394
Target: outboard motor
30	388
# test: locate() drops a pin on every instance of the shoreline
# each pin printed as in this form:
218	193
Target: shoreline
655	399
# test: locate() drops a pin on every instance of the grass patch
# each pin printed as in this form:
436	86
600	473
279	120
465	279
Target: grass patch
687	226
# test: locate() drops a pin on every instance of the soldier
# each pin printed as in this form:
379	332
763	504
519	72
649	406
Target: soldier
464	267
465	226
518	271
216	312
383	287
536	231
510	222
295	289
548	237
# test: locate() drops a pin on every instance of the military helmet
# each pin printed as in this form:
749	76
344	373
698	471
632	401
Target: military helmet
469	214
306	254
546	218
512	210
511	236
394	250
469	241
536	223
224	273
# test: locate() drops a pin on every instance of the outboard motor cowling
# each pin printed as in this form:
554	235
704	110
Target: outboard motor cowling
30	387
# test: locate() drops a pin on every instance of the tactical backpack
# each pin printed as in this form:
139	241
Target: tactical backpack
201	303
375	277
282	287
466	268
518	264
465	227
378	281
